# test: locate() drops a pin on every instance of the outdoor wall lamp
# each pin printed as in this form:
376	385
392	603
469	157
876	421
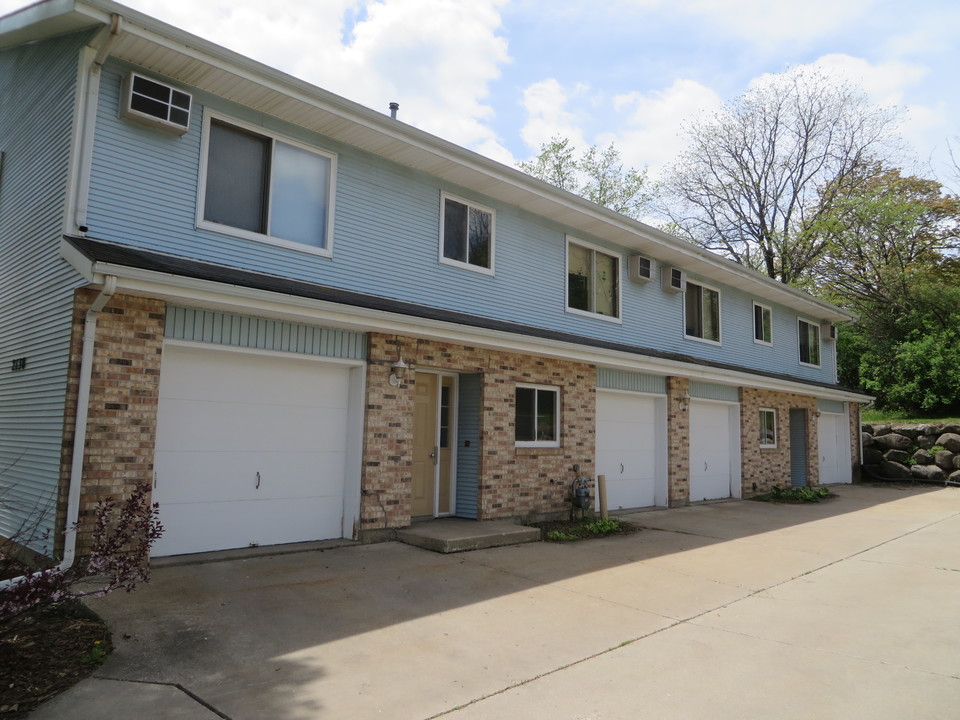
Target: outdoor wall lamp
684	401
399	371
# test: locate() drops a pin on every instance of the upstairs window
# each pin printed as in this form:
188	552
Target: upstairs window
537	422
466	235
809	333
259	186
702	312
762	324
593	281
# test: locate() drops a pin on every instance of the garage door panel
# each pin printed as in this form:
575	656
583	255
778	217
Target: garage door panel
627	448
188	527
227	420
710	456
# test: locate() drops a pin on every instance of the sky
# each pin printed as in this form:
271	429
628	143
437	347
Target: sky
501	77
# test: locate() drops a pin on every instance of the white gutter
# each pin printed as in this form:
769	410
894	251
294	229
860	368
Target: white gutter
80	430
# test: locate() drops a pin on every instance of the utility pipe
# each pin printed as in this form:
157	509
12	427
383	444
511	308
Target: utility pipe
80	429
602	495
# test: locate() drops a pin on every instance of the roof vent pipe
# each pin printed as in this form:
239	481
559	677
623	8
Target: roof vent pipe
394	106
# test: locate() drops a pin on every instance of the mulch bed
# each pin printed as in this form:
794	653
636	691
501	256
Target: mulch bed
577	530
44	652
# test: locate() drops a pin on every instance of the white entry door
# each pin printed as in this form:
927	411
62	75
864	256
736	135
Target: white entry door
630	441
833	439
251	449
711	451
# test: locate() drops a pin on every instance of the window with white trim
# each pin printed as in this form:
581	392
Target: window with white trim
537	422
768	428
702	312
260	186
762	324
809	340
466	234
593	281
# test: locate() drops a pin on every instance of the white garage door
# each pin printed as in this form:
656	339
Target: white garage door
250	449
833	439
712	436
631	449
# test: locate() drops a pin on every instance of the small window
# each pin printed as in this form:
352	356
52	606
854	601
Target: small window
762	324
593	281
768	428
702	313
466	235
258	186
809	337
537	416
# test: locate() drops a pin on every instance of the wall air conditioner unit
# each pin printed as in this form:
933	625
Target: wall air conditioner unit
155	104
641	268
828	331
673	279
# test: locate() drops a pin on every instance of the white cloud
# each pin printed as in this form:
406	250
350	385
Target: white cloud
547	115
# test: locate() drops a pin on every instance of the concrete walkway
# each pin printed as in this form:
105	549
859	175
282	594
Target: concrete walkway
739	609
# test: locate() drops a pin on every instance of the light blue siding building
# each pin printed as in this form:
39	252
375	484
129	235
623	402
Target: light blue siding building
297	318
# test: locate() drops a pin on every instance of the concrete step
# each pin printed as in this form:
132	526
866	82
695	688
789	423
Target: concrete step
450	535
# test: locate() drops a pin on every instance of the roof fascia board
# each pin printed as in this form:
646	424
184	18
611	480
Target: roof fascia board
235	298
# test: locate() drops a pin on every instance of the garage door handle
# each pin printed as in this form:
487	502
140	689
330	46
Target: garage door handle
258	480
621	468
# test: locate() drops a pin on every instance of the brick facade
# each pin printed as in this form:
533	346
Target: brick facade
513	482
122	417
678	441
765	467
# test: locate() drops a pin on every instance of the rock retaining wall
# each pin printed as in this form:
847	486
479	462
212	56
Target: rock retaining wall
902	452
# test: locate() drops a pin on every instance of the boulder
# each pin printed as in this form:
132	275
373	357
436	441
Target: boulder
872	456
927	472
926	441
893	470
944	459
953	429
867	428
866	439
949	440
956	461
893	441
922	457
954	476
910	431
897	456
878	430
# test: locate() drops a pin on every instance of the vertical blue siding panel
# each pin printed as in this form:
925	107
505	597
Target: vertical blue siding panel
37	96
468	458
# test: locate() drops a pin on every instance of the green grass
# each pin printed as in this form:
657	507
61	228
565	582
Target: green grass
795	494
889	416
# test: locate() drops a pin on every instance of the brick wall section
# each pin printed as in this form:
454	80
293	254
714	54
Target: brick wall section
513	482
764	468
678	442
122	416
855	449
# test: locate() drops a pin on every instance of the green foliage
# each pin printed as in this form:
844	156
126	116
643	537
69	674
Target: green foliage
586	528
601	526
872	415
598	175
560	536
791	494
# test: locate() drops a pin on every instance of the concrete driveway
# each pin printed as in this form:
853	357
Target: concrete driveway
737	609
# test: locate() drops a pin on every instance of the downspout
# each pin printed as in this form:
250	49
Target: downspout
80	426
103	43
80	429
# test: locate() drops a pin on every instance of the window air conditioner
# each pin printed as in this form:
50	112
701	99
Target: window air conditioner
673	279
641	268
155	104
828	331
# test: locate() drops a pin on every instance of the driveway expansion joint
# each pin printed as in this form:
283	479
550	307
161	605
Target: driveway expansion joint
193	696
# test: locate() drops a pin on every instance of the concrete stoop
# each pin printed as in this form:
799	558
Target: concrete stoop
450	535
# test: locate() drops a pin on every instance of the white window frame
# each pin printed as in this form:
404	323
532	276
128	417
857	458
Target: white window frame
444	196
556	421
769	310
816	325
767	446
708	341
616	319
203	224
